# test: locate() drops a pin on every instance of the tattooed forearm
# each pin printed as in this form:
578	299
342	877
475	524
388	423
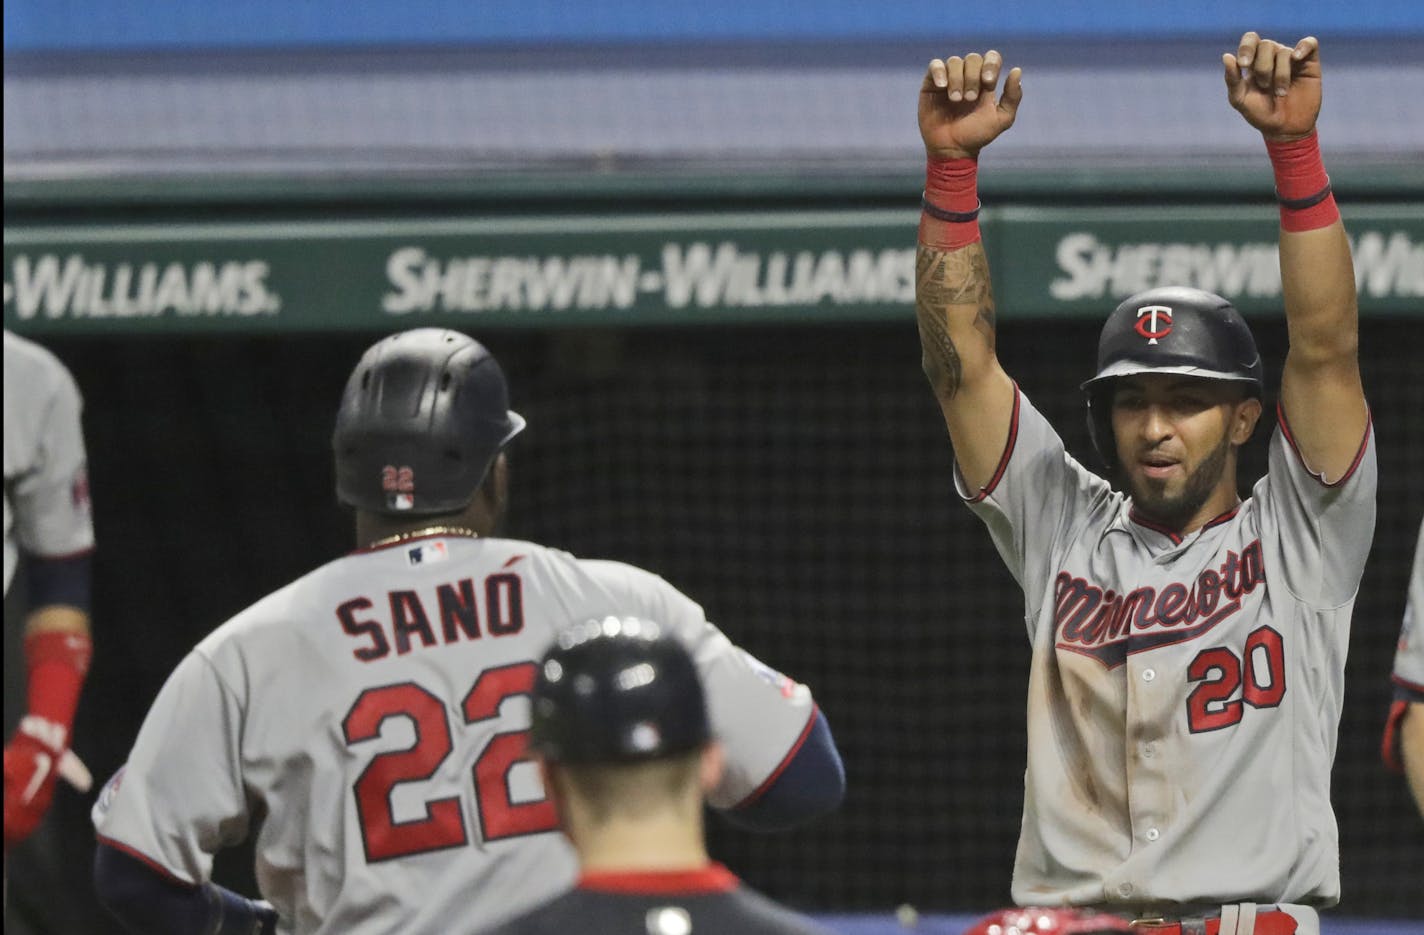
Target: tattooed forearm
943	280
938	357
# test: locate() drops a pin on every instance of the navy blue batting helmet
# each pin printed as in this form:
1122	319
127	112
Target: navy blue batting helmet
1172	329
617	690
423	416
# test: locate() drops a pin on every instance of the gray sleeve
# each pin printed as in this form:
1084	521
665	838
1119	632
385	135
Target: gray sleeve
1038	494
1324	530
758	714
179	797
51	498
1409	657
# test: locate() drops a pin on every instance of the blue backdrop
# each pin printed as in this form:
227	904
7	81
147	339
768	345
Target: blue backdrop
136	24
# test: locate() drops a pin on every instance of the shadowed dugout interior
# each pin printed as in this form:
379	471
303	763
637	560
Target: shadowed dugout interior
793	480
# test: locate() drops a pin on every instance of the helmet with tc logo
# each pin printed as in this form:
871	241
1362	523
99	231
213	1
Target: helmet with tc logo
1173	329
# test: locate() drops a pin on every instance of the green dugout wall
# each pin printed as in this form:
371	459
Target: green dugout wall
273	258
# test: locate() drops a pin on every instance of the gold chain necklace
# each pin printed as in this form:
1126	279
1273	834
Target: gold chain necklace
463	531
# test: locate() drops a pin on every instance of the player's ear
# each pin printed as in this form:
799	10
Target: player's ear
498	481
1244	417
712	760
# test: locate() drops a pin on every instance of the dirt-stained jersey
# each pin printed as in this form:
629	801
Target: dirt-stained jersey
46	484
1185	691
368	722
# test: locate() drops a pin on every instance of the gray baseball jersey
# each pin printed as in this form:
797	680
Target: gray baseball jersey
1409	657
1185	691
46	484
368	721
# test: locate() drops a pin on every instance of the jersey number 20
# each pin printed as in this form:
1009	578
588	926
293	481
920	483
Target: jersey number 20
444	822
1260	673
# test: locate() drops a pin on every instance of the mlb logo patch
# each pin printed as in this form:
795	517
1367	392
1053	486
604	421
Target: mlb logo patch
109	792
400	501
428	552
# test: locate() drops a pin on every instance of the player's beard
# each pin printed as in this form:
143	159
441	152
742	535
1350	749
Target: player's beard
1151	500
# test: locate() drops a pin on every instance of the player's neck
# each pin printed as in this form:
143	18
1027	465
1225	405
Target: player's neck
641	846
375	530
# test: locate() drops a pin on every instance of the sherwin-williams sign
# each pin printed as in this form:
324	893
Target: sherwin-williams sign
657	269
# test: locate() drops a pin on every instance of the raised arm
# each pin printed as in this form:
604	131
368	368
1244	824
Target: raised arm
1277	89
954	300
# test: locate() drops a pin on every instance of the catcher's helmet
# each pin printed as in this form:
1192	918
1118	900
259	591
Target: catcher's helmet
617	690
1173	329
423	416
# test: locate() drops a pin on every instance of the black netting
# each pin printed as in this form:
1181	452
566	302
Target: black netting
795	481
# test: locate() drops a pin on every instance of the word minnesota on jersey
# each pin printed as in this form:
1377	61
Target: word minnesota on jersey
1107	625
451	610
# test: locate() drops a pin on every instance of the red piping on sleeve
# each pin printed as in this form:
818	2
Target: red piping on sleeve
988	488
63	556
1389	745
760	790
1359	453
1412	687
154	865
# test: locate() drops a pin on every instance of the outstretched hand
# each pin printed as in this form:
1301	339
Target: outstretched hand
958	113
1275	87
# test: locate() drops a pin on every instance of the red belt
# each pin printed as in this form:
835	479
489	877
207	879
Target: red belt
1271	922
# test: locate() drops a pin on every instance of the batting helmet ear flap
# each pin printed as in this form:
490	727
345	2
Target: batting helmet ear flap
1100	430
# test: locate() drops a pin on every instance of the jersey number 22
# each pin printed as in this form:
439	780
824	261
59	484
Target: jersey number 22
444	823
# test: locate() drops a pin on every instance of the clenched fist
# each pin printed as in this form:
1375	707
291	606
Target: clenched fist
958	113
1274	86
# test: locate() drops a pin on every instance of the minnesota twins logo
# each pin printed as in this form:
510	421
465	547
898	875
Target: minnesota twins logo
1157	324
1108	625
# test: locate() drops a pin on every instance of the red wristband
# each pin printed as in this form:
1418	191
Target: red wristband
951	202
1302	186
57	663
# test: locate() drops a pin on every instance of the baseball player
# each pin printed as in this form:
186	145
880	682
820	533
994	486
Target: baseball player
367	722
1403	746
621	730
1188	646
47	518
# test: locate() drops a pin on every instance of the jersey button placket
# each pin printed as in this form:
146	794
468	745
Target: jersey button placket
1147	767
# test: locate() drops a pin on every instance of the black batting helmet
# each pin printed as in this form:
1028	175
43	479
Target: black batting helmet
617	690
1172	329
423	416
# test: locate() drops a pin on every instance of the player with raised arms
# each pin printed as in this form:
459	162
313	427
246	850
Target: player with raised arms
1188	646
368	722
